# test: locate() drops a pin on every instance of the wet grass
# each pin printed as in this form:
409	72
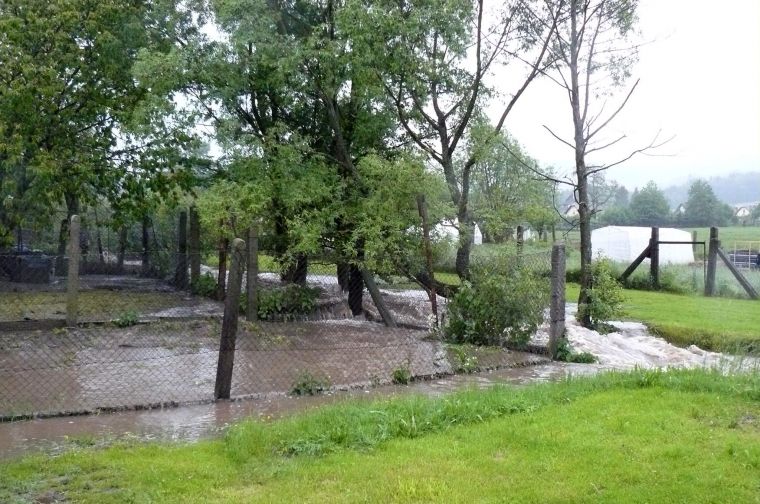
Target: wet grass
643	436
720	324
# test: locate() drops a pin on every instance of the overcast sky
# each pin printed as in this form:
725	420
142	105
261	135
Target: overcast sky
700	82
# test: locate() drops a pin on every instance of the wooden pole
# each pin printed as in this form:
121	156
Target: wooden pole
228	338
252	275
751	292
695	245
712	262
635	264
428	250
654	257
72	280
520	233
221	280
195	246
557	302
180	272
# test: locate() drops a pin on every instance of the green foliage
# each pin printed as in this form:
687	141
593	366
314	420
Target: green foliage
205	285
606	296
402	375
126	319
649	207
497	307
506	191
566	354
308	384
703	208
465	361
285	302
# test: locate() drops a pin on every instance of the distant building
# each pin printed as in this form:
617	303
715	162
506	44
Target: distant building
571	211
680	209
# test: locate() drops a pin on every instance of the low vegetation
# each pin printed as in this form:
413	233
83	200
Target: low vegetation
650	430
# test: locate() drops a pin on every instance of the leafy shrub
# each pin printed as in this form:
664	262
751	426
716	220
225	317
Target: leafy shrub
464	361
566	354
126	319
308	384
401	375
606	295
284	302
204	285
497	308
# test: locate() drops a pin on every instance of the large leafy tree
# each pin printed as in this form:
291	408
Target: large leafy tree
703	208
73	120
649	207
294	100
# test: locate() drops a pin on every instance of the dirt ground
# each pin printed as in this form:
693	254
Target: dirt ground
174	361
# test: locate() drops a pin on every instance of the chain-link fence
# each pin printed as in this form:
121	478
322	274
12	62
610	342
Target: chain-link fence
75	340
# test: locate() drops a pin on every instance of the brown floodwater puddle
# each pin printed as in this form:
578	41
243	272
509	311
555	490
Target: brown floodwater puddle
194	422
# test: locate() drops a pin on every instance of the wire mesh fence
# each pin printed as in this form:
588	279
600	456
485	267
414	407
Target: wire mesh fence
141	338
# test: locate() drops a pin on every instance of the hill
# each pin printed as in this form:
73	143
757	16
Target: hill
732	189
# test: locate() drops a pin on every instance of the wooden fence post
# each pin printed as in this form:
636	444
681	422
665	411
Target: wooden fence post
694	246
221	279
195	246
654	257
712	262
428	251
180	272
228	338
252	273
72	280
520	234
557	302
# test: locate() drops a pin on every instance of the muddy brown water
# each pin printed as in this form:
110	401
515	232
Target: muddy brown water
194	422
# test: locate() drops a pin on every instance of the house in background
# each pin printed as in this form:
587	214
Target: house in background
743	212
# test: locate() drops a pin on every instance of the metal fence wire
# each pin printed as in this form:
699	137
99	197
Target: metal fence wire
147	337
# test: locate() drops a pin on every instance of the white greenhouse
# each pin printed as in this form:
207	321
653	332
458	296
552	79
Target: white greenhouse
625	243
450	230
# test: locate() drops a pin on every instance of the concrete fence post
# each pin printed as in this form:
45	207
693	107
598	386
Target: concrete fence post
228	338
557	302
72	280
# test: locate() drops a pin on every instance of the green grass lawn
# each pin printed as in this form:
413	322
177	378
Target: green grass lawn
644	436
731	325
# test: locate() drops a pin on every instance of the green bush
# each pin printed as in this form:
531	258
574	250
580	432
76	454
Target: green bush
126	319
284	302
401	375
606	296
566	354
204	285
308	384
497	308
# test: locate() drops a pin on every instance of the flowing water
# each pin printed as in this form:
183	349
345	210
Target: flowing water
628	347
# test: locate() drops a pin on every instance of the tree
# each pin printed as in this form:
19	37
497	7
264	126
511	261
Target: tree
703	208
505	189
436	57
74	124
649	207
591	54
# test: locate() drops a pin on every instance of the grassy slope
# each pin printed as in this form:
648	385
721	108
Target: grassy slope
646	436
712	323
